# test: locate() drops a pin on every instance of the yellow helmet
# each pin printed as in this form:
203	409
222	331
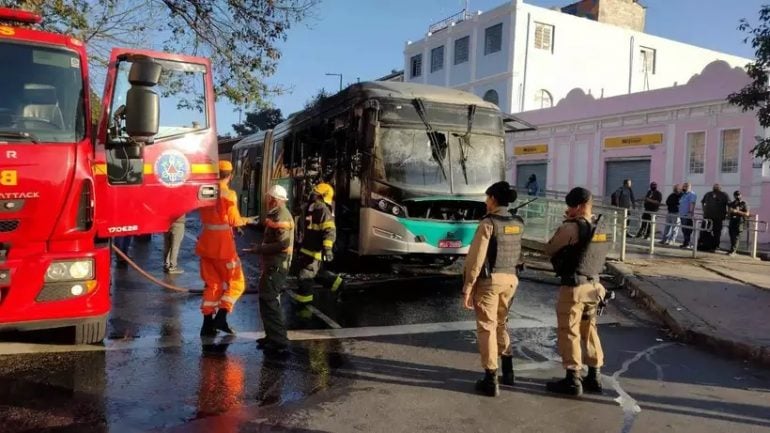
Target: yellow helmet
325	191
225	166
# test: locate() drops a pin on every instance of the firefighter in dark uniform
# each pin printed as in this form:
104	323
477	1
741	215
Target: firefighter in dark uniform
578	251
276	252
317	245
490	281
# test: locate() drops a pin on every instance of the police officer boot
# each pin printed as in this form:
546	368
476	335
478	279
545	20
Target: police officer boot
220	322
593	381
508	376
570	385
208	329
488	385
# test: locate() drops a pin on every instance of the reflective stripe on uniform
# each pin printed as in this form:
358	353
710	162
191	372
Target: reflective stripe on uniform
328	243
314	254
337	283
210	303
278	224
234	264
216	226
228	299
322	226
303	299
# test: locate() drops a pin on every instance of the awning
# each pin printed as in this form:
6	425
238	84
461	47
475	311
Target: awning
514	124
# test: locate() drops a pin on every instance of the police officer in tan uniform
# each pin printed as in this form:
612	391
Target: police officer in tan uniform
490	283
578	251
276	252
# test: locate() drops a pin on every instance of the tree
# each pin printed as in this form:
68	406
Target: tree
756	95
239	36
319	97
260	120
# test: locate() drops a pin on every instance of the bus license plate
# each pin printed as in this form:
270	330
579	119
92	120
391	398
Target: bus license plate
450	244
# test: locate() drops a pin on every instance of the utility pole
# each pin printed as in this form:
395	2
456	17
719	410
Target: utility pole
336	75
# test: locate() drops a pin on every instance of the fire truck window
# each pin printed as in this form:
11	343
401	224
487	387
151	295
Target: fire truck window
183	99
42	94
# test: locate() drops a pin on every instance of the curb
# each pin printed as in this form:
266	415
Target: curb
688	327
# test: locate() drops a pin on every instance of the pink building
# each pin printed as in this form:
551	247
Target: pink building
684	133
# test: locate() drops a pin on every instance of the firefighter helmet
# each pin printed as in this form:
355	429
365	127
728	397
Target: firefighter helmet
225	166
325	191
278	192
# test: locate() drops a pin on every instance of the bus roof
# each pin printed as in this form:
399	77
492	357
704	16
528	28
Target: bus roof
377	89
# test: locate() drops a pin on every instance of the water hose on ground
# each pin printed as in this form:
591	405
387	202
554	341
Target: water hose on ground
148	276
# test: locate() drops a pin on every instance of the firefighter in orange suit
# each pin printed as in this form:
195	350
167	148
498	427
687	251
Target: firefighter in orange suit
220	266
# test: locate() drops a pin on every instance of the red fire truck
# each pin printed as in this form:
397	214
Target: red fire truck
67	188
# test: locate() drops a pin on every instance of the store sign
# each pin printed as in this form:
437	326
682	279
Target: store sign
633	141
533	149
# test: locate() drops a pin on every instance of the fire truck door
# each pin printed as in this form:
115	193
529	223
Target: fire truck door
156	153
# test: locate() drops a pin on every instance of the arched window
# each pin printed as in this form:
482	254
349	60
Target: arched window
543	99
491	96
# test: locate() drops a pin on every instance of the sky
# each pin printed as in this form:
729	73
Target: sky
365	39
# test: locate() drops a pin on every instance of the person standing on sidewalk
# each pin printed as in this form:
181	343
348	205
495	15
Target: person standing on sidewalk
686	213
220	265
490	281
714	209
578	251
738	212
651	205
671	230
172	241
623	197
533	188
275	251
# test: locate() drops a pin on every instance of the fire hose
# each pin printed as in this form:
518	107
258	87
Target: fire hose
148	276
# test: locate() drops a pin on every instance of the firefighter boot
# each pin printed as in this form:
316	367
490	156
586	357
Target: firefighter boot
508	376
593	381
570	385
220	322
488	385
208	329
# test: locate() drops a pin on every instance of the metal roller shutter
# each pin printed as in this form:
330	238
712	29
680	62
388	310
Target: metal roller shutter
523	171
636	170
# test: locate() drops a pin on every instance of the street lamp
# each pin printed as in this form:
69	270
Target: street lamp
336	75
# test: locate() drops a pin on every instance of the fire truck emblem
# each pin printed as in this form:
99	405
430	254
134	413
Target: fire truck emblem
172	168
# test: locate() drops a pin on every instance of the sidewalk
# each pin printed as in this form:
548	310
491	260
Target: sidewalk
718	302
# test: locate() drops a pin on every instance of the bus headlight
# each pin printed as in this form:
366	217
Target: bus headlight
70	270
385	205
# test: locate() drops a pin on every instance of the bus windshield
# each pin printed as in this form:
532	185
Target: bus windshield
413	163
42	95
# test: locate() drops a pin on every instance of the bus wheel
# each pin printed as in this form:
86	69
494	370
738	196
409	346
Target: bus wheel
91	332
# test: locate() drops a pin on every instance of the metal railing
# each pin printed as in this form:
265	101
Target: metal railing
544	215
446	22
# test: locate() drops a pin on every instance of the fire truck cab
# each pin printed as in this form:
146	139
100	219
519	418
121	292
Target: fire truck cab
67	188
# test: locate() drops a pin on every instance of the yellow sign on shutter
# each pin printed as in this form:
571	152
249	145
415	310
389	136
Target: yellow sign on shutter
533	149
633	140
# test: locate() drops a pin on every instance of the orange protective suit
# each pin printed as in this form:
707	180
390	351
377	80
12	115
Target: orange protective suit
220	265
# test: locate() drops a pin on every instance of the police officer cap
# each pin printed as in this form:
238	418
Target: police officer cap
502	193
578	196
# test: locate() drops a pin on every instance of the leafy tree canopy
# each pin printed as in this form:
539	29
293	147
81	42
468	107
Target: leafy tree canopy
260	120
239	36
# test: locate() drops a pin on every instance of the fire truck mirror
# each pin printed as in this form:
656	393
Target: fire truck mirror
142	103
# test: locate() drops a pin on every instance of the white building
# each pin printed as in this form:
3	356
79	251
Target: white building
525	57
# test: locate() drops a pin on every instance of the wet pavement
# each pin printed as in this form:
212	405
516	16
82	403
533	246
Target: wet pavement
396	357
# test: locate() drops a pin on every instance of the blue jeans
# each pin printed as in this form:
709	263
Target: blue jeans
672	228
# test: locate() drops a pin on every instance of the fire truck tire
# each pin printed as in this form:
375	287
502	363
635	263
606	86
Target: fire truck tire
91	332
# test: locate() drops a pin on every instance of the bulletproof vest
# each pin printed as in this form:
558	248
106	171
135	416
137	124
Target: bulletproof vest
585	258
504	249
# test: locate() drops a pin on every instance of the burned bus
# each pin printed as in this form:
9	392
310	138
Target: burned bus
409	164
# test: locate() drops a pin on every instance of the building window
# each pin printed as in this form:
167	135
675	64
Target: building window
416	65
647	60
730	150
544	36
461	50
493	39
492	96
437	59
543	99
696	152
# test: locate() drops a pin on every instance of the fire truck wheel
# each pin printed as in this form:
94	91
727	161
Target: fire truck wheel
91	332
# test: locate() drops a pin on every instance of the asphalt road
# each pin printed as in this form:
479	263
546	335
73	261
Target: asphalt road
397	357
